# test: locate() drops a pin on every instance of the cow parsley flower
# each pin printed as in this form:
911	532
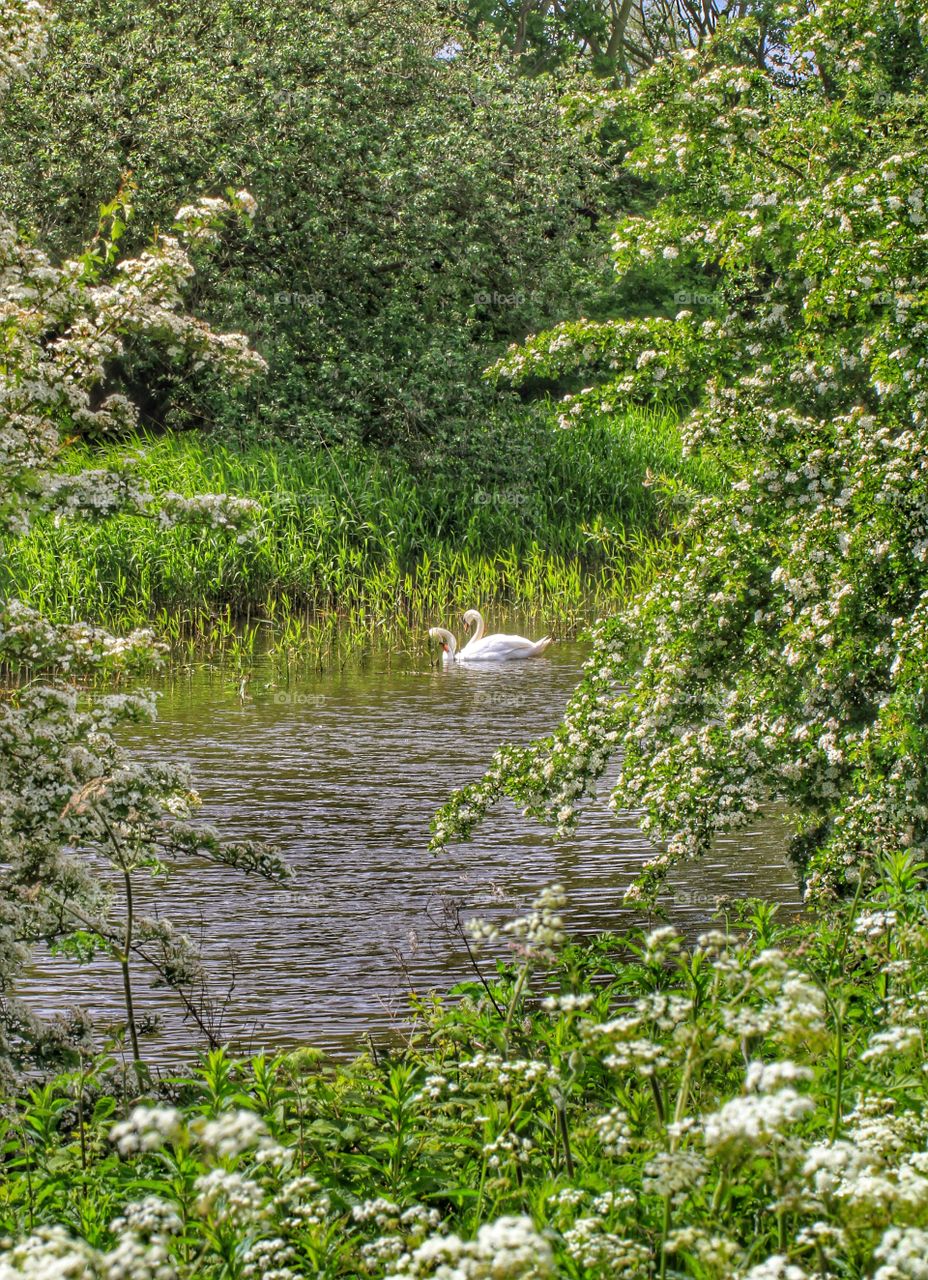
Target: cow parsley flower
148	1129
227	1196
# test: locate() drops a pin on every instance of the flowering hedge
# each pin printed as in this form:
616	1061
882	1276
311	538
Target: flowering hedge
782	657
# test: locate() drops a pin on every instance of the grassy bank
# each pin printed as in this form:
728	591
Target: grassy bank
348	536
749	1107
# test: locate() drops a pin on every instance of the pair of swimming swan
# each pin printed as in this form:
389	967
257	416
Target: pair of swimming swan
483	648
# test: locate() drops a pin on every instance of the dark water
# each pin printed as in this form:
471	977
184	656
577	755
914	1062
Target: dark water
343	771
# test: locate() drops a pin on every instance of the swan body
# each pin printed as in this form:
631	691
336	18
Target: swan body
497	647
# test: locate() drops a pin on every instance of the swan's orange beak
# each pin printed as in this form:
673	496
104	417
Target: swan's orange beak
445	647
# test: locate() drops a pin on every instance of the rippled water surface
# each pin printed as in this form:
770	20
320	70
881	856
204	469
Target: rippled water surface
343	771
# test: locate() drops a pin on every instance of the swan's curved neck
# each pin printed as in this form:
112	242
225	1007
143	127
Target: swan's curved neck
479	626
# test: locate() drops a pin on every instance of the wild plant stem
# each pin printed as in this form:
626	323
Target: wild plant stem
81	1120
838	1014
125	954
839	1077
683	1091
781	1216
658	1099
479	1205
30	1191
565	1138
838	957
517	991
462	932
678	1110
127	981
665	1232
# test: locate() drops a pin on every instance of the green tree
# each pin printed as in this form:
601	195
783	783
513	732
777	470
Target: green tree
782	656
419	203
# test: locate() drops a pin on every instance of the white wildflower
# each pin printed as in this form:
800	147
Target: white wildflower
147	1129
232	1133
228	1196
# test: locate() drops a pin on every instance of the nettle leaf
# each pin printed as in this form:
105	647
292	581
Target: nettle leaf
81	946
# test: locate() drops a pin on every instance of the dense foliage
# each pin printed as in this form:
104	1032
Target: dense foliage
80	820
359	535
784	658
419	202
751	1106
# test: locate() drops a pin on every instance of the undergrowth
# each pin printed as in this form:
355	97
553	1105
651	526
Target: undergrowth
749	1105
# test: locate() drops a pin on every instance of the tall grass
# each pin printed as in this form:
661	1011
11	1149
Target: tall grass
359	538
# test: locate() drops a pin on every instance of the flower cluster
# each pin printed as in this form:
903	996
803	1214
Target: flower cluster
537	936
508	1249
23	36
780	655
147	1129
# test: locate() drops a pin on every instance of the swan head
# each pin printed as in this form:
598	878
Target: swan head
448	642
471	619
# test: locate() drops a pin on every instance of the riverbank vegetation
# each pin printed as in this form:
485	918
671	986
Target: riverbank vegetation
566	524
752	1104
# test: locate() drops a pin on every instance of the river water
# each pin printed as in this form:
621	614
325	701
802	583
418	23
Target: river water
343	771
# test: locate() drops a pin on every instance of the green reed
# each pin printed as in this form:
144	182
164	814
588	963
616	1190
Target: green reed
355	542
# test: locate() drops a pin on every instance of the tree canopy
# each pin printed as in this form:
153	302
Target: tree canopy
615	39
419	201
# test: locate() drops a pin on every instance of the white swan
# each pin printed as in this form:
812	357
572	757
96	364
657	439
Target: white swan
498	647
448	643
